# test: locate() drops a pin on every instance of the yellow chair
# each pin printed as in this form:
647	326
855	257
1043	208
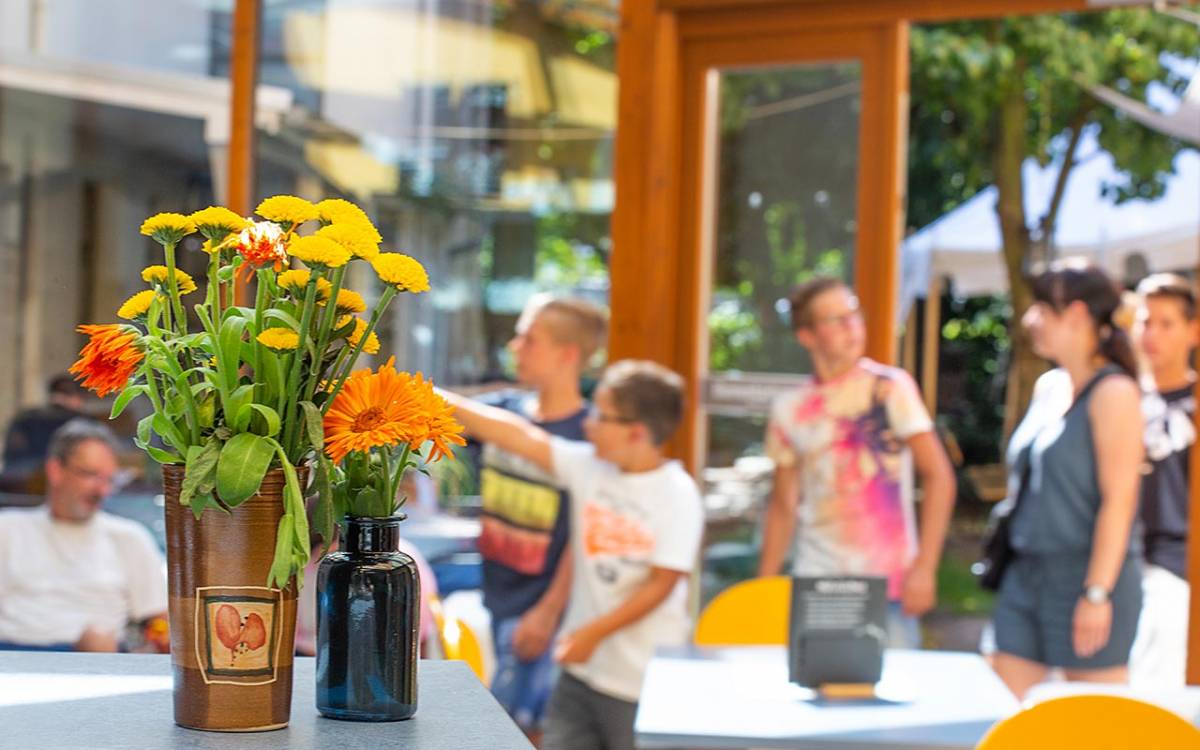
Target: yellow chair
458	641
750	613
1095	722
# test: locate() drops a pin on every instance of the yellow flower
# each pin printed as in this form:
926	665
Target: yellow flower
354	237
360	326
168	228
216	223
287	209
279	339
137	305
296	281
157	275
349	302
319	251
402	272
338	211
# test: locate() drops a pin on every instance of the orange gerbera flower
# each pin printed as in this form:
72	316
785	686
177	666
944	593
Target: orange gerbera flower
440	428
388	408
109	359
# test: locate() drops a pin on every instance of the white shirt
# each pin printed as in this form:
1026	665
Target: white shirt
58	578
622	525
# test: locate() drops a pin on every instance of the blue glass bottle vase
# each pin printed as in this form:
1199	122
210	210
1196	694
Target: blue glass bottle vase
368	607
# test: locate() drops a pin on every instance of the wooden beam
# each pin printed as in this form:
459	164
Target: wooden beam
243	76
931	339
823	12
1193	556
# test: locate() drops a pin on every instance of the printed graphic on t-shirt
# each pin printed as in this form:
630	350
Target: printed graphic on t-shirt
518	517
847	437
1169	425
607	532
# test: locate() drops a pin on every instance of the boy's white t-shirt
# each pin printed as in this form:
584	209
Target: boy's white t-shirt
59	578
622	525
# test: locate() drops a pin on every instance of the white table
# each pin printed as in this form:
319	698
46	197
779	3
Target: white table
741	698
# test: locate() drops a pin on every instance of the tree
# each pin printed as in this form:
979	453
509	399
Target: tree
987	95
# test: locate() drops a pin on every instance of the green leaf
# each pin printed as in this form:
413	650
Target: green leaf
323	515
272	372
230	346
127	395
281	565
143	429
225	274
241	423
168	431
366	502
240	397
243	464
314	425
282	317
201	470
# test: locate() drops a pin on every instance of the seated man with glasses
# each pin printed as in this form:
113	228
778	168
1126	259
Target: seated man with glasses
73	577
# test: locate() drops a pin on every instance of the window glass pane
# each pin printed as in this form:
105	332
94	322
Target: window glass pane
477	135
109	112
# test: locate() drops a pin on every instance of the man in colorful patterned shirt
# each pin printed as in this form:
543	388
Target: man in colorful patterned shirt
526	512
845	445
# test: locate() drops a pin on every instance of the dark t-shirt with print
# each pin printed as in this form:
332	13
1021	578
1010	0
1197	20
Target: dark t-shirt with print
525	519
1170	433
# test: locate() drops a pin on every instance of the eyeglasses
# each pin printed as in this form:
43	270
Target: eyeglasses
116	480
842	321
598	416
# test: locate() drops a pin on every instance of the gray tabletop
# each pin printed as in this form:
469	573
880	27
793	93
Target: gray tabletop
741	698
102	701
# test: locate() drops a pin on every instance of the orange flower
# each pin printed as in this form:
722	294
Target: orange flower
388	408
109	359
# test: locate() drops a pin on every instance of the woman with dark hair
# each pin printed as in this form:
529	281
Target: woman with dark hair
1070	598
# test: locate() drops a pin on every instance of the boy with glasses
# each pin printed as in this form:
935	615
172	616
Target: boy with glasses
845	444
636	522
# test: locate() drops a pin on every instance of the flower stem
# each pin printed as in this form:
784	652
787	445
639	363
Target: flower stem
173	289
384	300
325	327
293	381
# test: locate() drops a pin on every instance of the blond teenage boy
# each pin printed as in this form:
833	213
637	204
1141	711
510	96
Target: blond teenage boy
636	523
526	514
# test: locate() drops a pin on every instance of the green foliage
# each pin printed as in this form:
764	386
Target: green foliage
975	349
962	72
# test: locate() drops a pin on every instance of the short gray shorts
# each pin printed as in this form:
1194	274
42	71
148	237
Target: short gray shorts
1035	611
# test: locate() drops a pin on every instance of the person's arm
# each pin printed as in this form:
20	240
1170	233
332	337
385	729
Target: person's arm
502	428
577	647
535	630
937	504
779	521
1119	454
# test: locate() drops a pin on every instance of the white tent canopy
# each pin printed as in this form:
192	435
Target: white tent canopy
965	244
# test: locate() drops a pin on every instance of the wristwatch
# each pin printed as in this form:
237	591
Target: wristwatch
1095	594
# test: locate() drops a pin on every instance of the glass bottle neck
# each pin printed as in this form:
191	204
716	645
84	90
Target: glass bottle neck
373	535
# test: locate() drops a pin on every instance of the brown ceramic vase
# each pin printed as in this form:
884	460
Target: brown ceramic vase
232	637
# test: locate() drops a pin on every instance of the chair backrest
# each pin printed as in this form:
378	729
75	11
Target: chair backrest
457	639
750	613
1095	722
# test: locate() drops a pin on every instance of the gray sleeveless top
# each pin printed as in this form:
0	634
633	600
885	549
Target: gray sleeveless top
1061	491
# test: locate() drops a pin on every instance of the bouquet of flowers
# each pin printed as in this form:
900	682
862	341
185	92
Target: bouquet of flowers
273	385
